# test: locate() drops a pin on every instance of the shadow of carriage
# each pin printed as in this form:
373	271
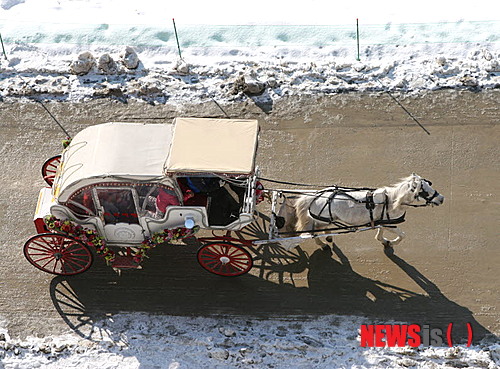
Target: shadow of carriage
173	284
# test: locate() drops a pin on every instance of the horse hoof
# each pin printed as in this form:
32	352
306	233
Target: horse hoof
329	239
387	244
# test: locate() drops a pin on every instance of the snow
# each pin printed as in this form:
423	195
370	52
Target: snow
289	50
284	49
144	341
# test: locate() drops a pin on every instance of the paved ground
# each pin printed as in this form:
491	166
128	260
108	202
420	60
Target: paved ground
445	271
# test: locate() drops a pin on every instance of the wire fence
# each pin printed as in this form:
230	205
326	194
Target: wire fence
207	36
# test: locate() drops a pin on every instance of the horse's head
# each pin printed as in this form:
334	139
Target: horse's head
422	189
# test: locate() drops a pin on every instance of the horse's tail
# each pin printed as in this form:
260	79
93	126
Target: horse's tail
304	220
288	214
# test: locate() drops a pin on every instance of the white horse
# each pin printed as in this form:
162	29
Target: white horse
341	207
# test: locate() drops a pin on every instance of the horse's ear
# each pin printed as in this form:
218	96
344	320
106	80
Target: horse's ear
414	183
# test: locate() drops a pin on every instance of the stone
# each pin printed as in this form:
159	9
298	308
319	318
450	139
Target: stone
469	81
181	67
106	64
248	85
227	332
219	354
129	58
271	82
441	61
83	64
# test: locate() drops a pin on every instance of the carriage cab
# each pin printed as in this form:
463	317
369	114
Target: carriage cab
127	181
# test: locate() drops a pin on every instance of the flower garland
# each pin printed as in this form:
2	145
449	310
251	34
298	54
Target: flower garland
92	239
166	235
85	235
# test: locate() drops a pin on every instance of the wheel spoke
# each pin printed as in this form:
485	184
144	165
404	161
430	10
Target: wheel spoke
47	263
66	263
240	264
225	259
55	266
75	260
44	252
44	258
45	246
58	254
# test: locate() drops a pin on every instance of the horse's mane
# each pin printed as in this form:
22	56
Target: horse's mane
400	190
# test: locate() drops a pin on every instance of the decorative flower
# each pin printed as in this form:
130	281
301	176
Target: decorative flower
92	239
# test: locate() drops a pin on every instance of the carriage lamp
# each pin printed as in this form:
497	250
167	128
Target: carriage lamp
189	222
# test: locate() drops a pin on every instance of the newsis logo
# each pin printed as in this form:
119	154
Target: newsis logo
400	335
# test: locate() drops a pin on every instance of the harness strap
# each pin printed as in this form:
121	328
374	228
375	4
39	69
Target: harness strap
327	204
370	205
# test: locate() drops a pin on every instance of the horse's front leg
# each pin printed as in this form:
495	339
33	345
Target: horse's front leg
319	240
390	243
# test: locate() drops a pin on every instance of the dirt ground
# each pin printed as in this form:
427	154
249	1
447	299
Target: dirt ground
445	271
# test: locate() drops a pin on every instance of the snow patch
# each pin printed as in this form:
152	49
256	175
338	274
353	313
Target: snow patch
139	340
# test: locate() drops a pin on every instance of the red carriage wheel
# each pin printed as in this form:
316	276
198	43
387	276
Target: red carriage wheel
58	254
49	169
224	258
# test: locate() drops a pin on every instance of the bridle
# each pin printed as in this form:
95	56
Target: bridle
425	195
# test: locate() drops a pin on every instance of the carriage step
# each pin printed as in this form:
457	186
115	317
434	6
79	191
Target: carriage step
124	262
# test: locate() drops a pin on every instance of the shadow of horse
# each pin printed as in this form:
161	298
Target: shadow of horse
172	283
352	293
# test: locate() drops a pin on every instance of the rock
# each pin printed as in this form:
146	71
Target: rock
227	332
407	362
474	54
310	341
45	349
487	55
358	67
248	85
244	351
129	58
83	64
441	61
219	354
60	347
281	331
107	91
106	64
453	353
469	81
181	67
146	88
271	82
492	66
456	364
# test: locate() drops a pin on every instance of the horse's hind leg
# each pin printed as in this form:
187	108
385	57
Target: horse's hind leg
320	241
390	243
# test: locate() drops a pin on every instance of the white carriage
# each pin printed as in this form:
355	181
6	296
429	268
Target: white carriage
119	189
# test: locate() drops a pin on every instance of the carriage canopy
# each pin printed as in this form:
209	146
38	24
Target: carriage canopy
153	152
202	145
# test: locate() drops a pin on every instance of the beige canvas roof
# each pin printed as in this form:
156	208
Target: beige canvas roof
113	150
121	152
202	145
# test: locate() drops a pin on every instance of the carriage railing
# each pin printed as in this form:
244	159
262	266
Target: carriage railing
250	198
